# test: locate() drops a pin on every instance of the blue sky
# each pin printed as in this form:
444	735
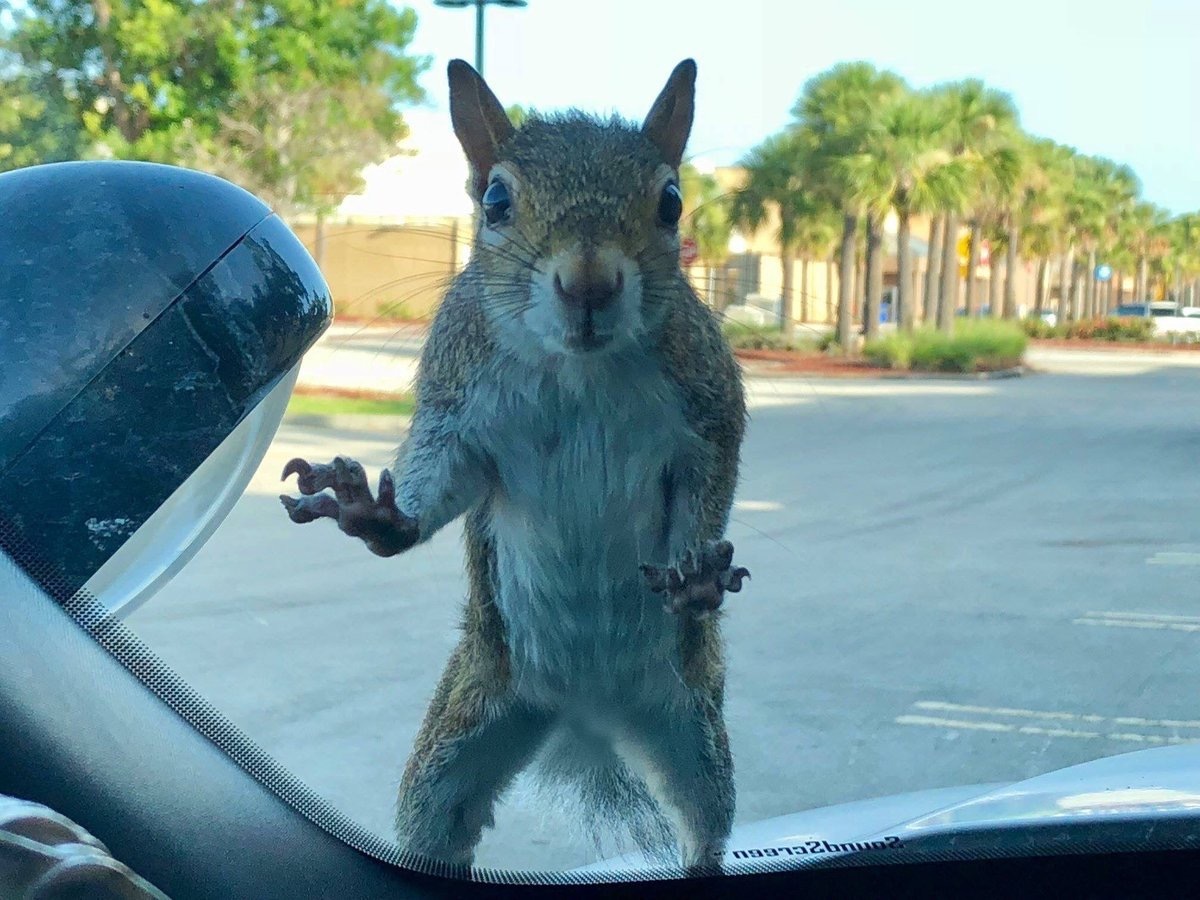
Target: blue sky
1119	79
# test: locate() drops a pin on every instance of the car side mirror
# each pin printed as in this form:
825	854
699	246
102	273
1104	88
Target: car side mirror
152	321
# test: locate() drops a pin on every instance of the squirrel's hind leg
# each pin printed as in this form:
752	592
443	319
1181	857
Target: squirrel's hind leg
682	753
475	739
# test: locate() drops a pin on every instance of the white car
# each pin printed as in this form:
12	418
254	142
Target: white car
1170	321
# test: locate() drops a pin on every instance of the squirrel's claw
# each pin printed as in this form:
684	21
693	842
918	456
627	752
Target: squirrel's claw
309	509
698	582
377	521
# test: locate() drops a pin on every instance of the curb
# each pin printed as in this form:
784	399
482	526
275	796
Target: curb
888	374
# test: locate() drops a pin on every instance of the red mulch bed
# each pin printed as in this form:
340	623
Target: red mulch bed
790	361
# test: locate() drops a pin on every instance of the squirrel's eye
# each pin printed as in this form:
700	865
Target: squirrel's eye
670	205
497	206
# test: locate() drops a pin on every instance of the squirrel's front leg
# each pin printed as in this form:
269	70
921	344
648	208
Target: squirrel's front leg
697	583
701	568
377	520
440	479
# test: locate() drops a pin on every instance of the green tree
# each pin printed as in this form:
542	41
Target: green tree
906	165
776	184
835	117
35	125
1102	191
517	114
1179	264
1040	217
705	220
980	120
249	88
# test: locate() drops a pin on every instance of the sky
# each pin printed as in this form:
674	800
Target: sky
1120	79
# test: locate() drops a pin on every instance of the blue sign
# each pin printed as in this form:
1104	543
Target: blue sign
1103	272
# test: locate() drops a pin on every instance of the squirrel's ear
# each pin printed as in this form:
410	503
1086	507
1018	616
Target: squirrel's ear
479	120
670	119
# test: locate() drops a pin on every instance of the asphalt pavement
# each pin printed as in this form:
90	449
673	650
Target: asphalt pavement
954	582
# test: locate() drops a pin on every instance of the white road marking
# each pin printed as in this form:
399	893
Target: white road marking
1174	559
1154	617
1100	730
954	723
1123	623
1058	732
1153	621
1005	711
758	505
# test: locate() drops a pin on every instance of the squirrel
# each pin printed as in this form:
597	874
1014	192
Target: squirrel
578	403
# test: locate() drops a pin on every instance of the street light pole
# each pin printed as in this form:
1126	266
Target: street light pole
479	5
479	36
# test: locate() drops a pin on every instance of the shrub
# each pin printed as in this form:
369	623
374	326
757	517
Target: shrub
1038	328
765	337
394	310
1111	329
972	346
936	351
893	351
992	344
1130	330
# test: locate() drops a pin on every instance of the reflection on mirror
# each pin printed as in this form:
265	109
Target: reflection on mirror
178	529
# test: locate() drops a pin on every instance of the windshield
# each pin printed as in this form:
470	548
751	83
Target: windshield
862	292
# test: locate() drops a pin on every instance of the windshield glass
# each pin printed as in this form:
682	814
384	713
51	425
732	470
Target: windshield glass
862	292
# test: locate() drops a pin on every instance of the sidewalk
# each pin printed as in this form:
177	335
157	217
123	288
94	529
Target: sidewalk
383	359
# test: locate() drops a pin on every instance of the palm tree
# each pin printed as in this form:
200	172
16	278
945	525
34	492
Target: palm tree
1143	226
1120	187
1180	264
816	239
906	166
933	267
705	219
777	184
1001	168
834	116
1041	221
1017	178
1087	211
979	119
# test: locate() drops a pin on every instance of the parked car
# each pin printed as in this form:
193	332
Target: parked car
1138	310
1170	320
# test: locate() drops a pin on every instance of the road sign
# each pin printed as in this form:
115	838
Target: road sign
1103	272
964	252
688	251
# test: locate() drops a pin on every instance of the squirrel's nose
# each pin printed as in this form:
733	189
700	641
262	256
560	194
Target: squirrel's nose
588	286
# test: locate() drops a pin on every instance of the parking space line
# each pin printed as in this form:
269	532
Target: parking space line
970	717
1005	711
1174	559
954	723
1149	617
1147	621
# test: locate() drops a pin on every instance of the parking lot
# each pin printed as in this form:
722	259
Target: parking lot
953	582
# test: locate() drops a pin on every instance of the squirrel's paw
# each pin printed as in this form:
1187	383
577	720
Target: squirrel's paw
378	522
697	583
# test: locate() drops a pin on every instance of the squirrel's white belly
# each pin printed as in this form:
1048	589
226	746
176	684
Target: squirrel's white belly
581	505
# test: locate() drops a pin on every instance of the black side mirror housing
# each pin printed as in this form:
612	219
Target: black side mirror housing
145	312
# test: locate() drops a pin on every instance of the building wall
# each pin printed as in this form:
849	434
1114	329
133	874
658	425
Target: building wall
397	271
